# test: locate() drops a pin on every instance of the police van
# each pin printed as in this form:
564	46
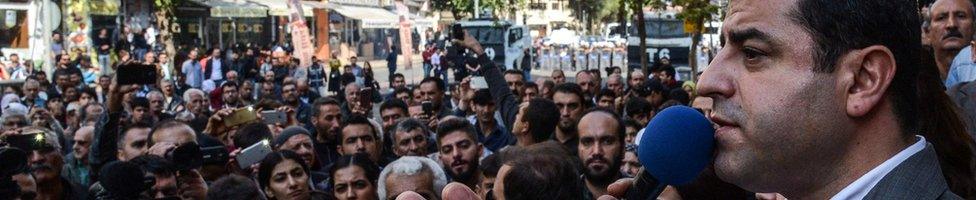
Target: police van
505	43
666	38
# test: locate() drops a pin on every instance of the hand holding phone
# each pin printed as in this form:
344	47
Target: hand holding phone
240	116
253	154
478	82
274	117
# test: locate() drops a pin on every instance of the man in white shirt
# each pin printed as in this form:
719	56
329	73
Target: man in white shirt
813	102
215	70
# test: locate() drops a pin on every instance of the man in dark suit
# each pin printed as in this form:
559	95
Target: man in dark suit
216	67
853	76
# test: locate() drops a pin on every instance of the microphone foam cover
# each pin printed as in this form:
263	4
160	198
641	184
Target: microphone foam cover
677	145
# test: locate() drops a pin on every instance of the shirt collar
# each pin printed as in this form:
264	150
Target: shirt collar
860	187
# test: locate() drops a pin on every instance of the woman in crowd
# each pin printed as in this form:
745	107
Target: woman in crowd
284	176
354	177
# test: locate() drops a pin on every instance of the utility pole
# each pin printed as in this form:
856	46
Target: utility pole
477	9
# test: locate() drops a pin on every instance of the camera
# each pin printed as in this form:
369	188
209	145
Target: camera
192	155
186	156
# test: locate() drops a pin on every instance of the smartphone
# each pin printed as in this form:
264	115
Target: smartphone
273	117
428	108
253	154
457	32
136	73
366	96
26	142
478	82
240	116
214	154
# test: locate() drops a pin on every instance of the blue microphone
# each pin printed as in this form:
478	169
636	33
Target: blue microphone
676	146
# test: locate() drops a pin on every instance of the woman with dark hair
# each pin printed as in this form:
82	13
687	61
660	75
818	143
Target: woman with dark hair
354	177
284	176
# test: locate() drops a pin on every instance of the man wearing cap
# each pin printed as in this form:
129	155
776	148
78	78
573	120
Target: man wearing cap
299	140
46	165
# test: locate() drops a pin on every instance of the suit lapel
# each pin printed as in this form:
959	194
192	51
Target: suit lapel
919	177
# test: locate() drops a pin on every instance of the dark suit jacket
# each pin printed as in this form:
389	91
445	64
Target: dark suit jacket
225	66
964	95
919	177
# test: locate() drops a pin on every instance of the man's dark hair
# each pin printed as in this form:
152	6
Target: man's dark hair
490	165
650	87
356	119
630	123
140	102
321	102
229	84
604	93
399	75
680	95
530	85
455	124
636	106
400	90
234	187
571	88
515	72
542	175
438	82
125	131
891	23
482	97
393	103
251	133
541	115
669	70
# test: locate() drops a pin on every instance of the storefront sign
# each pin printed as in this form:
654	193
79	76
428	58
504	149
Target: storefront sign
406	39
300	36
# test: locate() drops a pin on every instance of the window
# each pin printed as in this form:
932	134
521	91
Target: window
13	28
537	6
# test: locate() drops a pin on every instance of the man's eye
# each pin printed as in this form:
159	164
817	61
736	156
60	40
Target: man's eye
751	54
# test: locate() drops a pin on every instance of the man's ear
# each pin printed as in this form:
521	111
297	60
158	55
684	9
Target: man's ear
867	73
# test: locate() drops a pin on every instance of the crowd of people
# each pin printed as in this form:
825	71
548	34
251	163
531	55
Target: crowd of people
808	102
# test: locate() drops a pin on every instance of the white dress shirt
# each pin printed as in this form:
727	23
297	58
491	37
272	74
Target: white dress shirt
860	187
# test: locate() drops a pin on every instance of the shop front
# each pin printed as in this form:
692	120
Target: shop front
363	31
221	23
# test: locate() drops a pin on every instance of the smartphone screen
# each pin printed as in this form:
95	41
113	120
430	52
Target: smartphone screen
240	116
428	108
253	154
366	96
135	73
478	82
273	117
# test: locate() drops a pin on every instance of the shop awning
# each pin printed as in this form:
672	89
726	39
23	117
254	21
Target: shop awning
105	7
235	8
421	21
280	7
371	17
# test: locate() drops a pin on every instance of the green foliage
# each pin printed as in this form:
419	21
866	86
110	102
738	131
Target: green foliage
697	11
459	7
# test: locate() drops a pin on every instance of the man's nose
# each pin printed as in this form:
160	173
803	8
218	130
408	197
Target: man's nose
716	81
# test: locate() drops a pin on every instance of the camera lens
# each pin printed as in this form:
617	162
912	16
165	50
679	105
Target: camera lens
186	156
